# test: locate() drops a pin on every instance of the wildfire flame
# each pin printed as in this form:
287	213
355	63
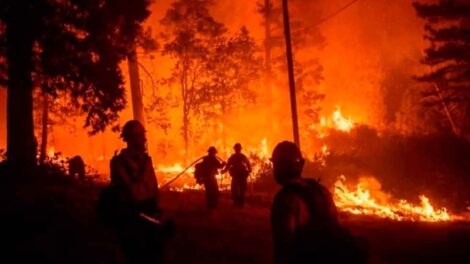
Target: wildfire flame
335	121
342	123
361	201
51	152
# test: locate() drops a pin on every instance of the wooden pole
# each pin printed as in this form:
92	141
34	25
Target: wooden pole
136	91
290	68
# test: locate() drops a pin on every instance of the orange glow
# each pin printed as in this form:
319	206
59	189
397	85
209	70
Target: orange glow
366	198
335	121
342	123
51	152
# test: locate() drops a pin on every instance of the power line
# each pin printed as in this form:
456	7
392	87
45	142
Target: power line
337	12
328	17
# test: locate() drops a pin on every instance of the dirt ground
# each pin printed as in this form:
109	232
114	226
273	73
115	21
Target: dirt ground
56	223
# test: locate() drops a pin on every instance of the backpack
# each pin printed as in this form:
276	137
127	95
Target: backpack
200	172
238	167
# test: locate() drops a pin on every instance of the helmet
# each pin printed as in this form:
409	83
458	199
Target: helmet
287	161
212	150
237	146
128	127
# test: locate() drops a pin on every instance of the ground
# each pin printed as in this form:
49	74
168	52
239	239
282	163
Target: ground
54	221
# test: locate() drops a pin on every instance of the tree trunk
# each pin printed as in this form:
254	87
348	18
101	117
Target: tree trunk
186	134
45	122
21	143
3	118
136	90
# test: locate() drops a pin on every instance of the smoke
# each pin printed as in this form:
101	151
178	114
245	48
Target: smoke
369	54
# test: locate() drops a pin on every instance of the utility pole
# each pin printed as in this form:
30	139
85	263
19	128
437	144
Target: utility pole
290	68
136	92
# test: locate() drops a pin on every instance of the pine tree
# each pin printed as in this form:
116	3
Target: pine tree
448	57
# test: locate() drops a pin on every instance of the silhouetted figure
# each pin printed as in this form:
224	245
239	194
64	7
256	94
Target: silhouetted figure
239	169
135	191
77	167
304	217
209	169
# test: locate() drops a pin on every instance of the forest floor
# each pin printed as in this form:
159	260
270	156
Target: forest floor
53	220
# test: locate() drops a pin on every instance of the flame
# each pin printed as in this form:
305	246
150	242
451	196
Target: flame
335	121
175	168
51	152
186	181
342	123
362	201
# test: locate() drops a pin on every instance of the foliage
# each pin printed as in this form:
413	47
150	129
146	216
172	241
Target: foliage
77	49
189	30
213	71
448	31
231	67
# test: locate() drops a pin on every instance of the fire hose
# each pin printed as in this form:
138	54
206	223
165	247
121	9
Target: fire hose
181	173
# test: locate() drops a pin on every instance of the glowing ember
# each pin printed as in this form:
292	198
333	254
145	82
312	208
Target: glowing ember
367	201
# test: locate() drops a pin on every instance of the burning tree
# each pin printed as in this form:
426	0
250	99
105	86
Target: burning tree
448	30
66	46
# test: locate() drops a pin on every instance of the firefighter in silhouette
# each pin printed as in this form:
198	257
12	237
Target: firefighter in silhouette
304	218
137	211
206	172
239	169
77	167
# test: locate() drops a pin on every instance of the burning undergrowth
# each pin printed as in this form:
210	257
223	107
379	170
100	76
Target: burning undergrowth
408	167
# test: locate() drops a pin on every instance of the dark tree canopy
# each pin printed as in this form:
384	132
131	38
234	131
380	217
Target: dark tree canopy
66	45
448	57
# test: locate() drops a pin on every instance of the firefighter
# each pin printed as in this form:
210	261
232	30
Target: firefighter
239	169
304	218
77	167
135	187
211	164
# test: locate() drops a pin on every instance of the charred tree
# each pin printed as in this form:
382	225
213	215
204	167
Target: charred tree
448	30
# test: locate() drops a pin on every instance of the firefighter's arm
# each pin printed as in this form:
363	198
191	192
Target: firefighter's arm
227	166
